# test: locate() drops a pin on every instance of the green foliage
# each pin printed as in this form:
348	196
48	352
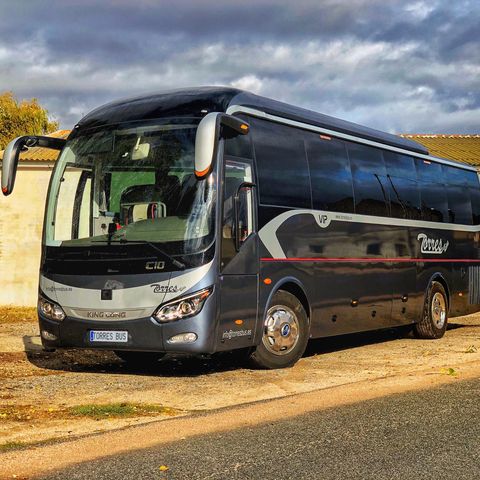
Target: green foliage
6	447
27	117
114	410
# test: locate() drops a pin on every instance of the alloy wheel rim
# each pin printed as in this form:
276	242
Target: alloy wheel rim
439	310
281	330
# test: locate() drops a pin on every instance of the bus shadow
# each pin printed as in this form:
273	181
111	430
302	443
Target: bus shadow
105	361
338	343
319	346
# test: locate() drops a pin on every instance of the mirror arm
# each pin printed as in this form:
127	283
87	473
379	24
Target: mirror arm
12	152
53	143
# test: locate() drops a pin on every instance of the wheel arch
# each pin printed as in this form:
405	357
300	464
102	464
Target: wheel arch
440	278
295	287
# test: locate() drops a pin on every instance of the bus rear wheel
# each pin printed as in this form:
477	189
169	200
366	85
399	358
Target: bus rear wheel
285	333
435	313
139	359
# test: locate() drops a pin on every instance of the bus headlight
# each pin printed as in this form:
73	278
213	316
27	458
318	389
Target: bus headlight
182	307
50	309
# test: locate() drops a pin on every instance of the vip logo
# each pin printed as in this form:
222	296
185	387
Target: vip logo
435	246
323	220
154	265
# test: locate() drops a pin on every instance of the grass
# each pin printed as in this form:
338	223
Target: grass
12	314
30	413
8	446
119	410
90	411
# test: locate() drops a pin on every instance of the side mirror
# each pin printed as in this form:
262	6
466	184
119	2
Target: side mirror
208	132
12	153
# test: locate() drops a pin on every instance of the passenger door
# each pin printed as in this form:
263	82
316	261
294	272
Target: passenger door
239	257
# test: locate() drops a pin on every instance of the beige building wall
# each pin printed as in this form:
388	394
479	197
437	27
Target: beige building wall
21	224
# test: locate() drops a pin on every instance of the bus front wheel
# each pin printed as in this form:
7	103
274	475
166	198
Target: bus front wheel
433	323
285	333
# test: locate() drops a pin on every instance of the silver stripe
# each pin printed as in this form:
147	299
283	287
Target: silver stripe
313	128
268	233
144	297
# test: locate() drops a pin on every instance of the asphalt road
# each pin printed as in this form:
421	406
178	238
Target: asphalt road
431	434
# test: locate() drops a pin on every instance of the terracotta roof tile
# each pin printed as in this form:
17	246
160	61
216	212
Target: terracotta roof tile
462	148
39	154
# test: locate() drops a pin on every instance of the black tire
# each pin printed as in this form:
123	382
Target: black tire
139	359
433	323
284	309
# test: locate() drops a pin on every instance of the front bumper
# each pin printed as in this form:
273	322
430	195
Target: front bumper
144	334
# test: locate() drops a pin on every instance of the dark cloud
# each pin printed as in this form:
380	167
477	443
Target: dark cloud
395	65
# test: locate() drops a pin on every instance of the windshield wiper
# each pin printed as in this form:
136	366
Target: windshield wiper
174	261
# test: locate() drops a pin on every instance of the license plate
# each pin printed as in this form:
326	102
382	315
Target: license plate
114	336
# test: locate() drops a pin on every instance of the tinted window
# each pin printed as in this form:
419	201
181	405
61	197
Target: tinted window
471	178
238	145
433	194
458	193
474	192
458	176
428	171
283	175
404	198
369	179
459	204
434	202
402	185
475	199
330	174
399	165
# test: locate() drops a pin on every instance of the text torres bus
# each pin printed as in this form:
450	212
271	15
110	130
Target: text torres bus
212	219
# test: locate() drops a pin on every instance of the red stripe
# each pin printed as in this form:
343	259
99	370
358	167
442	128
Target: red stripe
372	260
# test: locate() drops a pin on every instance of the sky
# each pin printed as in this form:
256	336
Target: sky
399	66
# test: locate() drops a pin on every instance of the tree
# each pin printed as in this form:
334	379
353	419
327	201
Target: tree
27	117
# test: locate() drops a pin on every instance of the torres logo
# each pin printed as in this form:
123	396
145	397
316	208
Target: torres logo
435	246
167	288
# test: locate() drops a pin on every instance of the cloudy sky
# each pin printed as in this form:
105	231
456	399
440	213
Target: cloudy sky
402	66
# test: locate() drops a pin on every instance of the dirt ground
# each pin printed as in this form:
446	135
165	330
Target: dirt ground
45	396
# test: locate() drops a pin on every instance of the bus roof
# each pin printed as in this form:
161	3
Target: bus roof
197	101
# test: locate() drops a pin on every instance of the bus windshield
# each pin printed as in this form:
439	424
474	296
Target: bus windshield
132	183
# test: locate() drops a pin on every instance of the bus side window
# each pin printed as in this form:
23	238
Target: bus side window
459	205
459	194
402	186
475	198
283	177
473	186
369	180
433	192
330	173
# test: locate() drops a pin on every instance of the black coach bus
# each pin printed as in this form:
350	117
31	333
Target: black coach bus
212	219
